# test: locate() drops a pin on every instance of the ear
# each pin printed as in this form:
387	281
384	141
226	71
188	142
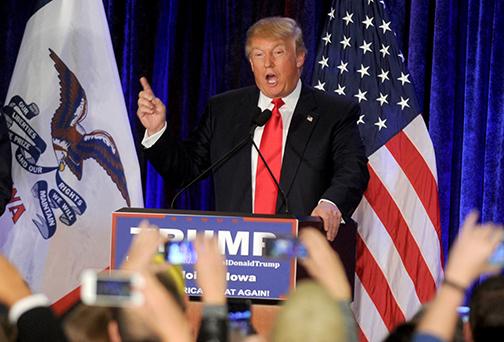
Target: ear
300	59
251	64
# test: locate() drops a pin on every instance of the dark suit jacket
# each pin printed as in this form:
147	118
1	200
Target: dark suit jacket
324	156
5	165
40	324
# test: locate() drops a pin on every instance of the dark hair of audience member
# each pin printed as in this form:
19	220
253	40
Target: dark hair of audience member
404	332
486	317
88	323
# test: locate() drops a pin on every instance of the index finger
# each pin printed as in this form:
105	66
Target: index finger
145	84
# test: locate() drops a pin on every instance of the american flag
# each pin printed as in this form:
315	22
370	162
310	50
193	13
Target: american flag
399	255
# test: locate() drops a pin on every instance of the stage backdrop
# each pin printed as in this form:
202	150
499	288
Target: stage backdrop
453	49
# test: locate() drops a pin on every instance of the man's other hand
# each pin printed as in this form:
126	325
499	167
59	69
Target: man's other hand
331	216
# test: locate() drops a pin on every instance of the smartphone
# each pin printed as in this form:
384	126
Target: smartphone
497	258
180	252
240	317
114	288
284	248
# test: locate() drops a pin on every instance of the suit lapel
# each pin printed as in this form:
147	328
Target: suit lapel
302	124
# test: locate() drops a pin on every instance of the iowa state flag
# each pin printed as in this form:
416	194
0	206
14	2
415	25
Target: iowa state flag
74	159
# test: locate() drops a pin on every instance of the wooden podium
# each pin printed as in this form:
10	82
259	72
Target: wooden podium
238	230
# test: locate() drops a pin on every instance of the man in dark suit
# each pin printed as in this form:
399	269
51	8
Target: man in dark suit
311	141
5	165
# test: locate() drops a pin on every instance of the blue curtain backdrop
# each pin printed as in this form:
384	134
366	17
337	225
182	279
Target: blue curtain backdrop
192	50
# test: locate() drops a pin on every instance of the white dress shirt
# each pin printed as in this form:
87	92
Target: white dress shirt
287	110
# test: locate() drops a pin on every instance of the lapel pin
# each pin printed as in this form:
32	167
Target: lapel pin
309	118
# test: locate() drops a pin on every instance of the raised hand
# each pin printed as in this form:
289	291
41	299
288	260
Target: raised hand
12	286
324	264
143	247
211	270
151	111
469	254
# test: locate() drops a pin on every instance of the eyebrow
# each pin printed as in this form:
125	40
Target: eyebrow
274	47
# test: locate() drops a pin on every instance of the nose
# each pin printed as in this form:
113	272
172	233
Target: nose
268	60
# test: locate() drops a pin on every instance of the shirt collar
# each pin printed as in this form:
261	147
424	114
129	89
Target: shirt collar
290	100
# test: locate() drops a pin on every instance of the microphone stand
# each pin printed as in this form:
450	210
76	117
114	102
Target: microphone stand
211	167
259	120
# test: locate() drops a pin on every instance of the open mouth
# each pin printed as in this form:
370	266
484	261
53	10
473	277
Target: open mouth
271	79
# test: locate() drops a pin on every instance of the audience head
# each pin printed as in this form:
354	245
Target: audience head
404	332
310	314
486	318
88	323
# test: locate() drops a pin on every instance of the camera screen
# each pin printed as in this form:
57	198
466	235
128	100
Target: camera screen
240	315
284	248
113	287
497	257
239	310
180	252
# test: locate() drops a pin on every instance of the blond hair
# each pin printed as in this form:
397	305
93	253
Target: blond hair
310	314
276	28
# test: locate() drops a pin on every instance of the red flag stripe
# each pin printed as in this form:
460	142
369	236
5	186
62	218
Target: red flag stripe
360	334
63	304
376	285
419	174
368	318
380	244
389	214
412	209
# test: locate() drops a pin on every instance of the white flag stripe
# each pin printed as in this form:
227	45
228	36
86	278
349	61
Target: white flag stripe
367	316
410	206
378	241
419	137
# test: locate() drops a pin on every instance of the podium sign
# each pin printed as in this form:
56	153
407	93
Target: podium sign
241	239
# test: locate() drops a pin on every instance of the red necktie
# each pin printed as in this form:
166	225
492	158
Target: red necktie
266	191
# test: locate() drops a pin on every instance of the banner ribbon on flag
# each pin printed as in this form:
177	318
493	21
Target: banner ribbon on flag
27	154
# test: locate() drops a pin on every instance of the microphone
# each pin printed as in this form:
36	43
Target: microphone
259	119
